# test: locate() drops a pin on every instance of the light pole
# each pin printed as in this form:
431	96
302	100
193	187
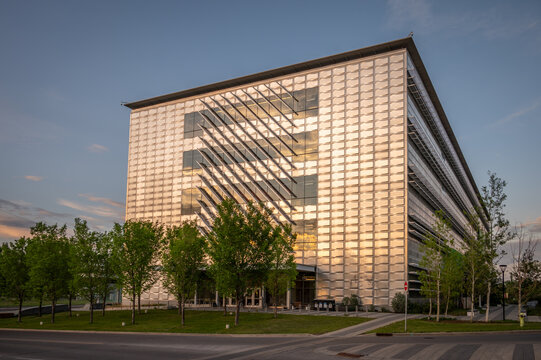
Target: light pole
503	267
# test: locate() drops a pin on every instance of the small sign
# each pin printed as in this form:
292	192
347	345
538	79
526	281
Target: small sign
406	286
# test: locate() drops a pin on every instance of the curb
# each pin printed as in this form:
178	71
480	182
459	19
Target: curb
156	333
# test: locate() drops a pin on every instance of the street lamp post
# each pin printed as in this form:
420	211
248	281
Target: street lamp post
503	267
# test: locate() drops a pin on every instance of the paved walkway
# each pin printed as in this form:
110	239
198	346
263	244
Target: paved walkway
384	320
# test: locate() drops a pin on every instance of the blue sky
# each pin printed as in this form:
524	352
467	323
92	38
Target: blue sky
66	66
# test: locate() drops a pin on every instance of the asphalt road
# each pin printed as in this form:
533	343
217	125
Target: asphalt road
34	345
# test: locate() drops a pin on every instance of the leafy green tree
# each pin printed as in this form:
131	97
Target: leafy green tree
239	248
434	248
48	260
14	270
86	262
182	262
136	250
283	270
107	274
493	199
452	276
72	288
474	258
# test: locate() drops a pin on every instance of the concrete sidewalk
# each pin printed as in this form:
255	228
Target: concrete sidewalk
365	327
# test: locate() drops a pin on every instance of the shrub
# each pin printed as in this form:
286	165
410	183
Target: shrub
398	303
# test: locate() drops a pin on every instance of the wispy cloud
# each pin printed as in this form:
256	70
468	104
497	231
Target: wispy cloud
101	211
534	226
406	12
33	177
16	218
519	113
21	128
102	200
499	21
97	148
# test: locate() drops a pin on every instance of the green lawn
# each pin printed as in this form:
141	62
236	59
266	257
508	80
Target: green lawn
212	322
425	326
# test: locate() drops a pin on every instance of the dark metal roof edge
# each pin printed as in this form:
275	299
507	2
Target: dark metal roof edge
282	71
414	53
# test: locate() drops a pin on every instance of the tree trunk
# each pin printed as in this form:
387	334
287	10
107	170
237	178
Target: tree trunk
274	298
92	310
438	300
20	316
430	308
104	297
182	311
52	310
179	305
225	306
237	311
139	303
40	304
133	309
448	299
488	302
519	298
69	304
472	297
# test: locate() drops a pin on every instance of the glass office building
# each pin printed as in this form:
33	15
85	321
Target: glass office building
353	150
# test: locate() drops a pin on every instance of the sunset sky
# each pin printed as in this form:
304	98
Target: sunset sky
66	67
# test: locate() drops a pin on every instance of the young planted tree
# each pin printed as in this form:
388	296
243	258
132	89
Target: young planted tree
107	275
136	250
14	270
86	262
526	268
434	248
182	262
497	234
238	249
48	260
452	276
283	270
474	258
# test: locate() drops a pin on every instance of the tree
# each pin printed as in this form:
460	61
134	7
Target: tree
48	260
474	258
239	246
283	270
452	276
105	255
182	262
86	262
497	234
136	250
526	268
14	270
434	248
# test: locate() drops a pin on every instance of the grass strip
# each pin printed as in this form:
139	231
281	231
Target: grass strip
428	326
208	322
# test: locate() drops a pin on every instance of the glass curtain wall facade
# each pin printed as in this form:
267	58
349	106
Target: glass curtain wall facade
349	153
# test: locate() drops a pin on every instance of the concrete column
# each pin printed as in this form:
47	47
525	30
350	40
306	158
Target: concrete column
195	298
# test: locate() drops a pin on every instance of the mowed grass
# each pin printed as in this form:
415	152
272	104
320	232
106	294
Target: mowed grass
209	322
427	326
